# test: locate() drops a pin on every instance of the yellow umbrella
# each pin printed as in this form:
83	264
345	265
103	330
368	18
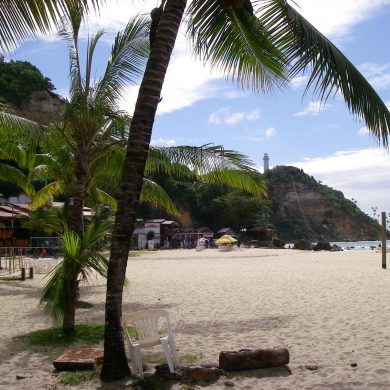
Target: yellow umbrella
226	239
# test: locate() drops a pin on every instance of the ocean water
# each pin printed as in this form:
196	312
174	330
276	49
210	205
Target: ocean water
360	244
351	245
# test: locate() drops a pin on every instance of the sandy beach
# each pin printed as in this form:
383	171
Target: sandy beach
329	309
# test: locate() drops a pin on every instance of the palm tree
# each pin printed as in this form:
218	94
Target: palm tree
81	257
256	51
92	124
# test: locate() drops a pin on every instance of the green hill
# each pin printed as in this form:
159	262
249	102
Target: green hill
304	208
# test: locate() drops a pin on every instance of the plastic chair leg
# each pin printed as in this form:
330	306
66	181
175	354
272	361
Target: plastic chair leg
138	360
164	343
172	344
133	361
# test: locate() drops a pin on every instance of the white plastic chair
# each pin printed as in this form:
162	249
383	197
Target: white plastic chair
147	323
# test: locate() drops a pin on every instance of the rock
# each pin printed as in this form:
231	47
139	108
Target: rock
311	367
336	248
162	370
19	376
246	359
229	383
42	107
322	246
278	243
304	245
354	365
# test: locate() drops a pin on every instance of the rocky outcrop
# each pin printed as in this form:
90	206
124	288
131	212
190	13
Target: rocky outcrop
42	107
305	209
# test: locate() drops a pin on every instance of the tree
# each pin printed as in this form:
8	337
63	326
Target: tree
81	256
256	52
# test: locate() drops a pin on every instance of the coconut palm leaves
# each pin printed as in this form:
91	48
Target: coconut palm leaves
45	220
82	259
233	39
21	19
331	72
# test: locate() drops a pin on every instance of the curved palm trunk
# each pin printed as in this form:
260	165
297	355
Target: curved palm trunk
115	366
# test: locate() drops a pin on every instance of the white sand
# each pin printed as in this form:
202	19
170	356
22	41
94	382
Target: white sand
330	309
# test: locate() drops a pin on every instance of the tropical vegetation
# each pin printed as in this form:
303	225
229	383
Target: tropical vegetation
257	44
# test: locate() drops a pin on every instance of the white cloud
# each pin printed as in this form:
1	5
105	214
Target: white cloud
313	108
336	18
163	142
298	81
270	132
377	75
364	131
225	116
187	81
361	174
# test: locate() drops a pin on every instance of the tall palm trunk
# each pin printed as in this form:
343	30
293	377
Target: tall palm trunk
115	365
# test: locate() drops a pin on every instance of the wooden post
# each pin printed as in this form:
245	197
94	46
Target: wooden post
23	274
384	245
31	273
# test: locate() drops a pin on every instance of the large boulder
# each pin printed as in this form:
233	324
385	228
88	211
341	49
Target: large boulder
322	246
278	243
304	245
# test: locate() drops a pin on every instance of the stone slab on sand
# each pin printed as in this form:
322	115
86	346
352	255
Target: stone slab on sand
83	358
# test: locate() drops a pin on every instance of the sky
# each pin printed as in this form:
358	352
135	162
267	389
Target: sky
200	106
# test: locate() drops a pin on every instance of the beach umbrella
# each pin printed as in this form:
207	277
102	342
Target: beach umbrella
226	239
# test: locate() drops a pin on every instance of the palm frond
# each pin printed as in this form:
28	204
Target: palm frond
155	195
69	32
45	220
105	198
11	174
187	161
236	41
46	194
11	125
252	182
90	50
128	59
331	72
21	19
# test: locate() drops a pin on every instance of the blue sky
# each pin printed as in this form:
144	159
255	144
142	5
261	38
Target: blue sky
199	106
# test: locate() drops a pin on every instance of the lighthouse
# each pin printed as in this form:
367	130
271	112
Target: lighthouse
266	162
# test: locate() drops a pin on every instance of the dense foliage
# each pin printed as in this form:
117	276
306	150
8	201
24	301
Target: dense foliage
212	205
18	79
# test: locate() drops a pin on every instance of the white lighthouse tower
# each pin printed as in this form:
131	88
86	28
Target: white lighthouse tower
266	162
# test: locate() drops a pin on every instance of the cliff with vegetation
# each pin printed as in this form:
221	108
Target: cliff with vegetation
304	208
31	94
